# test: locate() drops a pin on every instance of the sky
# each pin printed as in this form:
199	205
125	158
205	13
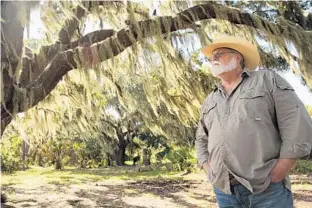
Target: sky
37	31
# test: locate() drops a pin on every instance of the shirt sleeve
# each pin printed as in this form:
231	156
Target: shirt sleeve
201	142
294	122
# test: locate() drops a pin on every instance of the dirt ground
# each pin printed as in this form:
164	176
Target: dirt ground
99	188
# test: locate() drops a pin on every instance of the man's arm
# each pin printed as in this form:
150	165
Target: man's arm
281	169
295	126
201	145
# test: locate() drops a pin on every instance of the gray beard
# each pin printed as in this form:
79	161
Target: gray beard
216	70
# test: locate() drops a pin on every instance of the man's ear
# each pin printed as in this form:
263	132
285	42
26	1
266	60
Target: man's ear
239	57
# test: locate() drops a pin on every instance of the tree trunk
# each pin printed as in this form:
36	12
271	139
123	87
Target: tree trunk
33	156
23	150
5	121
3	199
136	159
83	163
120	155
24	154
146	157
109	160
40	159
11	53
58	160
120	152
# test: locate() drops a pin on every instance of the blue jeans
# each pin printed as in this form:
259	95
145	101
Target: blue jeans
275	196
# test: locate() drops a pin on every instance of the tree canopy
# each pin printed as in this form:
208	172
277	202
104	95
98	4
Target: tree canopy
144	55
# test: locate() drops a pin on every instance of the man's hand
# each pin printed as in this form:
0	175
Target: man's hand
206	167
278	173
280	170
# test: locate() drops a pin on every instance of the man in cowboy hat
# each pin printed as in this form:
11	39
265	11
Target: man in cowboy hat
252	129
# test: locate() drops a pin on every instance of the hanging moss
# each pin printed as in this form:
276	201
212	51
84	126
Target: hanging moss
151	77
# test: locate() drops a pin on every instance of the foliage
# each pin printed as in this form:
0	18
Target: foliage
90	152
158	145
11	159
182	158
302	167
70	175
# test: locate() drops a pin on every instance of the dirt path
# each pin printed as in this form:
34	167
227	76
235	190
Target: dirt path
98	189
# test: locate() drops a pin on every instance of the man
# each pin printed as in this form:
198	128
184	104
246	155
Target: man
252	129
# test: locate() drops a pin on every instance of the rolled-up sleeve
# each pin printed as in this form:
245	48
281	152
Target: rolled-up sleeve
201	142
294	122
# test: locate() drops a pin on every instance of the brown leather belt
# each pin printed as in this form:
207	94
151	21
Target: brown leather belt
233	180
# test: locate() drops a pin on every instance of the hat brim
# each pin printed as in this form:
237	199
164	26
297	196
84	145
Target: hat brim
250	54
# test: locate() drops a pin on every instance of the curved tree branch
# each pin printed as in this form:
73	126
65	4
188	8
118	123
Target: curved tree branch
106	47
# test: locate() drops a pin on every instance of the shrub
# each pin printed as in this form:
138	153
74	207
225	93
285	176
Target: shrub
302	167
182	158
10	156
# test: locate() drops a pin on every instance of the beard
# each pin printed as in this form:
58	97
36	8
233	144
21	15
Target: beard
217	68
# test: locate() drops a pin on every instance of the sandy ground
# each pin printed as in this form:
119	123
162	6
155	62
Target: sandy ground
49	190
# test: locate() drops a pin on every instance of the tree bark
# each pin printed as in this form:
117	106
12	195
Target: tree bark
68	30
34	156
24	154
109	161
40	158
83	163
146	157
11	52
58	160
120	152
120	155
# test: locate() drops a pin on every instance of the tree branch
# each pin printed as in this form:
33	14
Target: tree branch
110	123
70	26
264	11
104	47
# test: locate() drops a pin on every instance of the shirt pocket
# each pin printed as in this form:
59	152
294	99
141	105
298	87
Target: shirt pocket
209	113
285	87
253	104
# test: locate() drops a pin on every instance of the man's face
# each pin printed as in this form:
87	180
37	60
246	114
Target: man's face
223	60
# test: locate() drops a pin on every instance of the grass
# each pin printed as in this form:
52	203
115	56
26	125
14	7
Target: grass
121	187
95	187
71	175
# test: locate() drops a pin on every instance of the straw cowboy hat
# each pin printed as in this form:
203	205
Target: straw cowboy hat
246	48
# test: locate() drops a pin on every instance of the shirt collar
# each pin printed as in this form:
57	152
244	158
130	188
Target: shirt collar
244	75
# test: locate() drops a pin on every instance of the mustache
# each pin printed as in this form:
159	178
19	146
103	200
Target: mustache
216	63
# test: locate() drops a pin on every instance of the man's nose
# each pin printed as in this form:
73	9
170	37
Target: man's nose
214	58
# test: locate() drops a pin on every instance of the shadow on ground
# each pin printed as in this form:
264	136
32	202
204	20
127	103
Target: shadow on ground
143	193
166	190
99	188
303	195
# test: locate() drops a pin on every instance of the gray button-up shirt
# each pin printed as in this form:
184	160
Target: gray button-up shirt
248	130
